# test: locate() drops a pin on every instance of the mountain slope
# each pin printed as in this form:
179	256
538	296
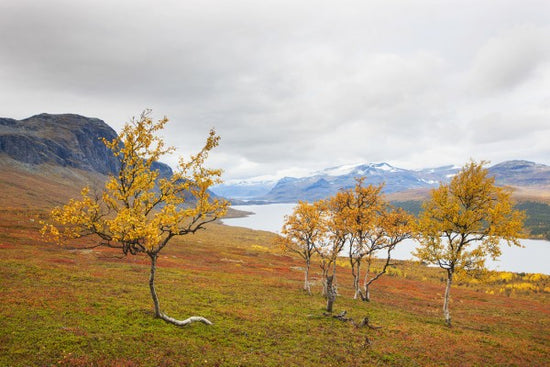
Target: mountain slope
66	140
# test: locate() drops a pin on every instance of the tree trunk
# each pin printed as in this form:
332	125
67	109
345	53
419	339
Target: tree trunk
324	276
152	284
366	282
446	311
158	313
366	296
331	293
356	272
307	286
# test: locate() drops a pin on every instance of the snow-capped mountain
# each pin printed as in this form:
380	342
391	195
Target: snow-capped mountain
327	182
324	183
245	189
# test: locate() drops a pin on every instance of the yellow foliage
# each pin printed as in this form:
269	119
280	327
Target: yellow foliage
303	230
137	211
537	277
522	286
260	248
463	222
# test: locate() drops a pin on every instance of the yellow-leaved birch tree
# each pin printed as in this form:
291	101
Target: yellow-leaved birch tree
464	222
302	232
138	212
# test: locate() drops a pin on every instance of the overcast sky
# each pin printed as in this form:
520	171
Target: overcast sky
293	86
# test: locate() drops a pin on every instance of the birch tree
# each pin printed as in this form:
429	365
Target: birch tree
464	222
137	212
363	206
373	230
301	231
393	226
334	241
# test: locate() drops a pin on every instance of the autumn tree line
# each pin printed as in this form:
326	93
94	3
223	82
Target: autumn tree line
139	213
461	225
357	221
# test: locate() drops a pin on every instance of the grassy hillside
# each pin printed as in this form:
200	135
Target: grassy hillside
67	307
70	307
538	218
537	221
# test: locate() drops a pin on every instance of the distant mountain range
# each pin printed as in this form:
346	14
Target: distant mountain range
72	141
325	183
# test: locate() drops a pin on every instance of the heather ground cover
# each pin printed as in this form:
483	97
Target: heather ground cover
61	306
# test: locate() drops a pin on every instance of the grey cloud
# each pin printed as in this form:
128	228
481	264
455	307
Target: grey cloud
509	60
286	83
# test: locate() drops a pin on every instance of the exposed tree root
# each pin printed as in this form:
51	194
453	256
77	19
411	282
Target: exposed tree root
185	322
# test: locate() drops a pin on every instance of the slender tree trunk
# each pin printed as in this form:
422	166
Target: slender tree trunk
307	286
334	278
446	311
152	284
356	272
331	293
158	313
324	277
366	282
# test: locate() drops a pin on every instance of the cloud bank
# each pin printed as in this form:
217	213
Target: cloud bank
293	86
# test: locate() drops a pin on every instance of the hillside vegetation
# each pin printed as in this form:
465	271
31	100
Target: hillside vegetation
76	306
537	222
68	307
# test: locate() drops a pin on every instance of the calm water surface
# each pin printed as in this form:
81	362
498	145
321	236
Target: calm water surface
533	258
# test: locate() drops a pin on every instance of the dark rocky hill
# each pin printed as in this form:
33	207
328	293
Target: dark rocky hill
66	140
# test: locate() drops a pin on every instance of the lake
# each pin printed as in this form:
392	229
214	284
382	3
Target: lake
532	258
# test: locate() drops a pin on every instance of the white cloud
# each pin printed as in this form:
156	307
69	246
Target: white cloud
293	86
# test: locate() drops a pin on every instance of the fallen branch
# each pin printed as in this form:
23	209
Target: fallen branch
342	317
365	322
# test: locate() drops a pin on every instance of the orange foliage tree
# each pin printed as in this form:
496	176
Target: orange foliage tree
371	227
463	223
335	239
138	212
359	218
301	233
392	227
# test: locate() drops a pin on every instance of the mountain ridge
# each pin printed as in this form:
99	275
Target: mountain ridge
71	141
67	140
326	182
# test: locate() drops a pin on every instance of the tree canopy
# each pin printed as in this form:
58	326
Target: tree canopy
464	222
302	232
138	211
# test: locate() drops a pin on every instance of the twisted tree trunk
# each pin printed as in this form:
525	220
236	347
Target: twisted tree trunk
158	312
